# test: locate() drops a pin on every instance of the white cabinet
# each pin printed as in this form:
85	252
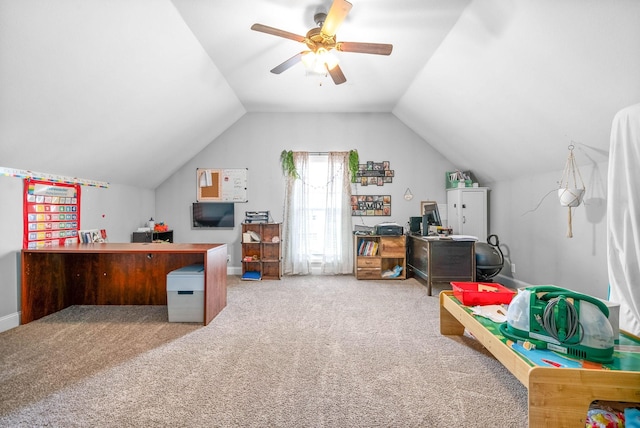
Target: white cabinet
467	211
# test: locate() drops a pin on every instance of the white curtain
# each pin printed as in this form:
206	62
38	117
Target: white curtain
337	252
296	224
623	217
338	237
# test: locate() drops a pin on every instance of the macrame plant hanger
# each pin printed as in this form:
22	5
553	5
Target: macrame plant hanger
571	188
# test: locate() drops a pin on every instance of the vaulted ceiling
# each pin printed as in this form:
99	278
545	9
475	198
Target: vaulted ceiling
498	86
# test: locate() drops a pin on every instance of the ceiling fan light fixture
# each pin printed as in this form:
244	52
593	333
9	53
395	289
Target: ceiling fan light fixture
319	62
321	40
328	58
311	63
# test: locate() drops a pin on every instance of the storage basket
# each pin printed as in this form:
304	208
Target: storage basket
482	293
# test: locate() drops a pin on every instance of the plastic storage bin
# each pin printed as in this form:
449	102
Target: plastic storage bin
185	294
482	293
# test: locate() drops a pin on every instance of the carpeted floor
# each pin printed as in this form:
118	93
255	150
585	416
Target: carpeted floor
301	352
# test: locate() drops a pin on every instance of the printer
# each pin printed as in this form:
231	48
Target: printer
392	229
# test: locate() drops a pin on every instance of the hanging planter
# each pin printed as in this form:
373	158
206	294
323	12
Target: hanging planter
570	197
571	189
354	160
288	164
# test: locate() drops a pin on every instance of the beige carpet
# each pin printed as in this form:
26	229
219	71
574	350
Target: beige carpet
300	352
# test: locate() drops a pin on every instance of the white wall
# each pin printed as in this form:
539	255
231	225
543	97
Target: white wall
10	245
532	226
119	209
532	238
256	141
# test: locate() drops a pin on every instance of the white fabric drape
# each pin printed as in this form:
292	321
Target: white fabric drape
337	257
296	223
623	217
338	245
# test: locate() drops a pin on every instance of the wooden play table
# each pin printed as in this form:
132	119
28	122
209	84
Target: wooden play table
558	396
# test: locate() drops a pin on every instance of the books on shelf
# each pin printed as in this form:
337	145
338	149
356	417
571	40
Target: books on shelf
91	236
367	247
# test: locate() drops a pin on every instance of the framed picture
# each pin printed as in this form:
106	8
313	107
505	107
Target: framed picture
427	204
371	205
430	210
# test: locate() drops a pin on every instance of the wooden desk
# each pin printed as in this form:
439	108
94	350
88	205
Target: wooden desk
558	397
116	274
441	260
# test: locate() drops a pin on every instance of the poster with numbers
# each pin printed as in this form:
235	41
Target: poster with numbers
51	214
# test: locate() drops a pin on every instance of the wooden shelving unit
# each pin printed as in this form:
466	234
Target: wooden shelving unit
265	256
376	254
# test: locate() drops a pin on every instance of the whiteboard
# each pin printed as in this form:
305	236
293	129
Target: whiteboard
221	185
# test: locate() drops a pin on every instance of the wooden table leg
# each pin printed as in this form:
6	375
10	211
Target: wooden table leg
561	397
449	325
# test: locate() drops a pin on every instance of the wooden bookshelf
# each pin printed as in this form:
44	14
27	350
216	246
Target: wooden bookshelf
264	256
376	255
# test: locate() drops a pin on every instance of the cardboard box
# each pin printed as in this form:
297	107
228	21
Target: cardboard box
185	294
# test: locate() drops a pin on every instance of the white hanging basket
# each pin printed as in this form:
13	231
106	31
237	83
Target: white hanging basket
570	197
571	190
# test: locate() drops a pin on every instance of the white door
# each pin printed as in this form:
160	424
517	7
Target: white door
474	214
467	211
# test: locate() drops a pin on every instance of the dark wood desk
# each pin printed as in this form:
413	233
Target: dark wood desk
116	274
441	260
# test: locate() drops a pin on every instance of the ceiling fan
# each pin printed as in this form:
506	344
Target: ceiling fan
321	40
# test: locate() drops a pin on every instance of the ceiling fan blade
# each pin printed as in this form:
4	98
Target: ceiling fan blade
368	48
288	63
337	13
277	32
337	75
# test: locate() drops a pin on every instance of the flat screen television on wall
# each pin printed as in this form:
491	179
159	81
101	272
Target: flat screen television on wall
213	214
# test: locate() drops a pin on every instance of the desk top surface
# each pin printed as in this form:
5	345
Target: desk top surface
135	247
452	239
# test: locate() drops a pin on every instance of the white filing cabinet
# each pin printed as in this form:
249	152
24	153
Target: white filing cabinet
185	294
467	211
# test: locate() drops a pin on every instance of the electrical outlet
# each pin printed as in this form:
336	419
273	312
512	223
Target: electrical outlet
513	268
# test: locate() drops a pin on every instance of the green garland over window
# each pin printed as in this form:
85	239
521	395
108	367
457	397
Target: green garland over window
289	166
354	161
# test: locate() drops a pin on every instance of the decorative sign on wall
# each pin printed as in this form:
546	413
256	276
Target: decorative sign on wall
51	214
374	174
55	178
221	185
371	205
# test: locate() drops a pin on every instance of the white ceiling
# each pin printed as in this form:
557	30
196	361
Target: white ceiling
501	87
415	28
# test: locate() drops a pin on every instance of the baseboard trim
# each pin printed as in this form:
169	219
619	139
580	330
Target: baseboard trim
510	282
234	270
10	321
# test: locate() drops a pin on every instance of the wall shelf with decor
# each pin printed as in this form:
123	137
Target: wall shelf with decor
261	251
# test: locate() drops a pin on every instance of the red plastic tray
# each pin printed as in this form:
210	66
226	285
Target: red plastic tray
482	293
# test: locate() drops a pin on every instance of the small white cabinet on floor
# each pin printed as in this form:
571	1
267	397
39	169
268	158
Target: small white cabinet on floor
467	211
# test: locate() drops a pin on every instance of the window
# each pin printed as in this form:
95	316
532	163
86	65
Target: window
317	225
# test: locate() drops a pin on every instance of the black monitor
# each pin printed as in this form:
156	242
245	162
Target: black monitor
414	224
430	217
213	214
